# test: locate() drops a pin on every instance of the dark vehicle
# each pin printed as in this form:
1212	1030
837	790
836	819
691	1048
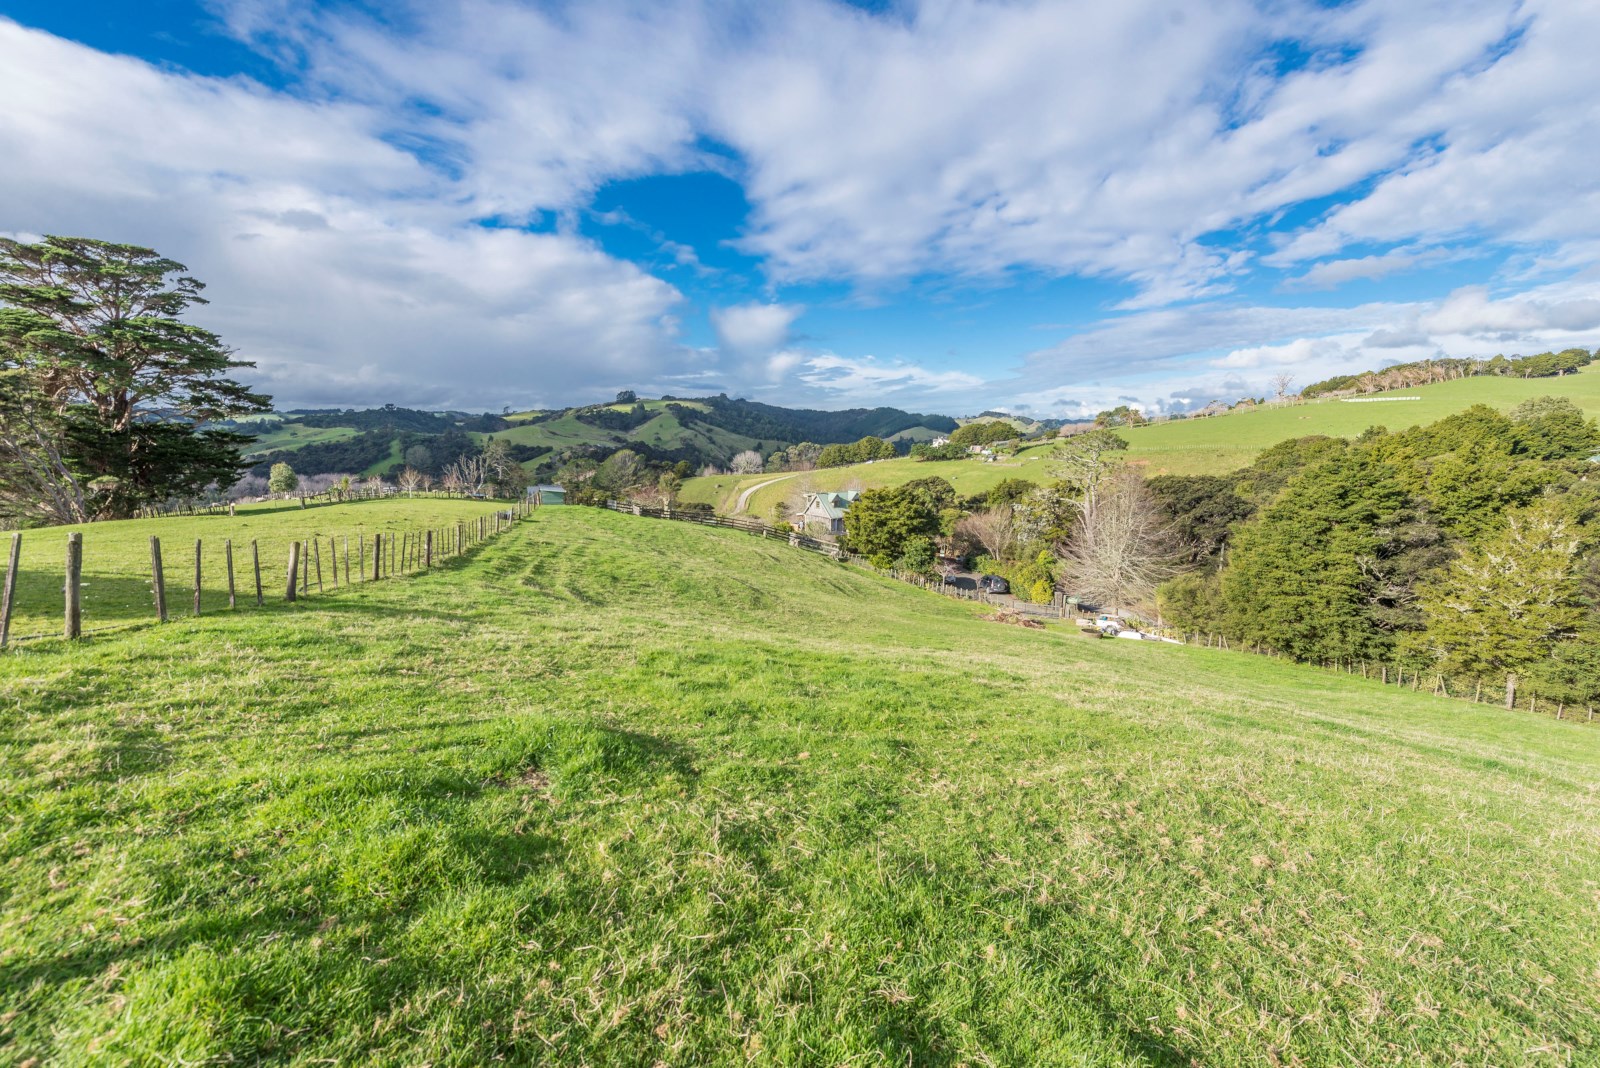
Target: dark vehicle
993	584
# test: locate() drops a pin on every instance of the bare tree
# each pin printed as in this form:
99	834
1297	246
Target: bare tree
748	462
995	530
410	480
469	473
1121	546
1281	383
450	481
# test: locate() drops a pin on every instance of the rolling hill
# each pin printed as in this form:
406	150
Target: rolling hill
614	790
1213	445
700	431
1227	442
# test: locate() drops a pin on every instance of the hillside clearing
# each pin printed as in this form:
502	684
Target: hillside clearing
616	791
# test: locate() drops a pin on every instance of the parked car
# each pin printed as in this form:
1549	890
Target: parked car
993	584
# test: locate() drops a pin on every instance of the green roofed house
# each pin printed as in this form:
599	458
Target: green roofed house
825	511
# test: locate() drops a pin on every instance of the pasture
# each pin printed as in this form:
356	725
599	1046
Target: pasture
626	792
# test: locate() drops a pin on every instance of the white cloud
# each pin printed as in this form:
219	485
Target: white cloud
753	330
339	263
340	221
1470	312
1334	273
1299	351
866	376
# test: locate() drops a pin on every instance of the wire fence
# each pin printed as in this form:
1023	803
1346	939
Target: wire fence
1515	695
192	579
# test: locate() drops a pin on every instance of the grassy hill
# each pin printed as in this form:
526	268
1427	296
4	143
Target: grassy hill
663	431
967	476
1183	447
1228	442
618	791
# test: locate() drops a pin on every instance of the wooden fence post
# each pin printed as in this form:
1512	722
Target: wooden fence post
227	552
292	588
361	556
255	561
11	588
1511	693
158	581
347	559
333	560
73	588
377	554
197	576
316	551
427	551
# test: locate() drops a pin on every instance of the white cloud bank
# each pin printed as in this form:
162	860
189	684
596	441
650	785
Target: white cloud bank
340	222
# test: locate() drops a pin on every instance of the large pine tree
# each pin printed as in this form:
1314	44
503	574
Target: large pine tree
94	346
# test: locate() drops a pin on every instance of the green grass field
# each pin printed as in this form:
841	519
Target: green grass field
116	556
1185	447
625	792
295	435
662	432
1228	442
967	476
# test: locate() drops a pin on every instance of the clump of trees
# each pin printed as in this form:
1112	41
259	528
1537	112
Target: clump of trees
748	462
857	452
801	457
1444	369
1464	549
283	479
984	433
109	398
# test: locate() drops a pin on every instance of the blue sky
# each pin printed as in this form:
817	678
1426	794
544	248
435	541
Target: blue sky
949	205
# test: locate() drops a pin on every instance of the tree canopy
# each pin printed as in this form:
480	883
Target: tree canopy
94	339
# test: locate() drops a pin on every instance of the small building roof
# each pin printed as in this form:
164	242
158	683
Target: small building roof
831	504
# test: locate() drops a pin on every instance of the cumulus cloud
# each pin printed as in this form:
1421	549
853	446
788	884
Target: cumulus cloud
1299	351
360	226
1471	312
753	330
335	260
904	381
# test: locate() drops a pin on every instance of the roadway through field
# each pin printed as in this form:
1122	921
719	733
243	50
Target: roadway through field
744	498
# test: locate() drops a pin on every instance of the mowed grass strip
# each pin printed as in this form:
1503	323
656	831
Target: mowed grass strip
626	792
116	556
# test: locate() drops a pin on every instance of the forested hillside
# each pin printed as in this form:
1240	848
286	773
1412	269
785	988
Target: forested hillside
669	431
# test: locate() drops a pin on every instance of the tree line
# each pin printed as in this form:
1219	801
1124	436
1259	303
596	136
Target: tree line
1444	369
1464	549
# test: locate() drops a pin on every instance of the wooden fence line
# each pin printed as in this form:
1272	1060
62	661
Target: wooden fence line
413	552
